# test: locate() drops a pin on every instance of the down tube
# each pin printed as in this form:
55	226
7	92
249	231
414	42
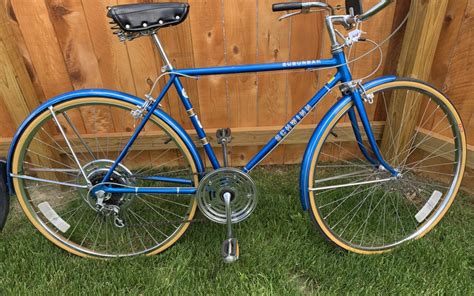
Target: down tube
289	127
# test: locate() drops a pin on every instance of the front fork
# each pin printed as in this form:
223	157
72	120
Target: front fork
379	161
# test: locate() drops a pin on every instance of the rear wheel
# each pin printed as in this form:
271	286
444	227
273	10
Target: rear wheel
53	192
360	206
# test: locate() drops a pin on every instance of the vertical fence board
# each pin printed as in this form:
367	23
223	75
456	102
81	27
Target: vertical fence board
178	45
112	56
208	42
241	48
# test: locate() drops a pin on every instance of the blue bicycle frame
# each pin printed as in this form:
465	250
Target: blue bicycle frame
342	75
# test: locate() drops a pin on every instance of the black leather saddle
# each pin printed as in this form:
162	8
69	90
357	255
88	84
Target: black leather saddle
147	17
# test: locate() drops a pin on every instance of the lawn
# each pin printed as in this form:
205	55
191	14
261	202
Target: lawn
281	253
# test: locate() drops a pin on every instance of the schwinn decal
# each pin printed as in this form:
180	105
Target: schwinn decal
185	94
301	63
285	131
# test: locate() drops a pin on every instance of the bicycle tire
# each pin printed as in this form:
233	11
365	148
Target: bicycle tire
325	205
39	218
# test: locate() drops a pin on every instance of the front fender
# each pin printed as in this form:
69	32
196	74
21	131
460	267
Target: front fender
104	93
316	137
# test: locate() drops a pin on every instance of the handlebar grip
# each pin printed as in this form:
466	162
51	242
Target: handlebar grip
287	6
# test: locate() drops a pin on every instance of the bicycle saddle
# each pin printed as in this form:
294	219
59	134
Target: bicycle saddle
148	16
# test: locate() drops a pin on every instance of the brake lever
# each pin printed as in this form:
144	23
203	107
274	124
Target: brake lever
285	16
302	11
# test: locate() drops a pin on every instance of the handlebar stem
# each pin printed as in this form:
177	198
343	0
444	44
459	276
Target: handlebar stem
345	20
348	21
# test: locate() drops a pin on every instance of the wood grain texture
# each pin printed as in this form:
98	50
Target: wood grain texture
179	47
16	89
241	48
208	43
112	56
459	81
76	49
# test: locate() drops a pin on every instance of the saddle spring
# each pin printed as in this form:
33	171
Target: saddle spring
127	36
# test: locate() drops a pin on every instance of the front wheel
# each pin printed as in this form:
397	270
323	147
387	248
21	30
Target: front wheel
76	142
360	206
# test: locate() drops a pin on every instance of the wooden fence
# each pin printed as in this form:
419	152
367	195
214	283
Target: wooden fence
67	45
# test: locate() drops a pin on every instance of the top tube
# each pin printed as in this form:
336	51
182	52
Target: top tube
309	64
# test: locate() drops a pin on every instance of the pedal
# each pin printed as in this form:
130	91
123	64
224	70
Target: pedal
230	250
224	137
230	247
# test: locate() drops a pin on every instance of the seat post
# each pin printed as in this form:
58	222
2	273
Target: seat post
161	50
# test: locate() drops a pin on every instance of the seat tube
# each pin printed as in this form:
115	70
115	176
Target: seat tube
196	123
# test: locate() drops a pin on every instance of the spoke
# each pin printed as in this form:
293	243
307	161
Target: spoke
48	181
415	164
364	225
69	145
354	184
428	171
358	206
71	124
77	224
170	161
48	158
354	193
336	192
415	135
61	151
146	222
89	230
410	150
157	207
136	233
353	174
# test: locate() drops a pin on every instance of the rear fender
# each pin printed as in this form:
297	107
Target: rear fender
103	93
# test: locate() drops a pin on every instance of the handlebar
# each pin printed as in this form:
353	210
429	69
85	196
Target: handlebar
287	6
307	5
374	10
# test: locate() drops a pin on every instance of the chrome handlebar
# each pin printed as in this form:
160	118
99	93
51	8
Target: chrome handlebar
374	10
306	6
348	21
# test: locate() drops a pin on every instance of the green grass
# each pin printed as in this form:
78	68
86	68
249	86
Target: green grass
281	253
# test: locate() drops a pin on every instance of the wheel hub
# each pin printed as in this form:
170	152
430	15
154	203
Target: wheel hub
96	171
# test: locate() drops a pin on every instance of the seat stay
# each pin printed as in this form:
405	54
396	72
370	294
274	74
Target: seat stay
138	130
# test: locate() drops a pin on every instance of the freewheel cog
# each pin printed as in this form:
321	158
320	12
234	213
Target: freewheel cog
227	180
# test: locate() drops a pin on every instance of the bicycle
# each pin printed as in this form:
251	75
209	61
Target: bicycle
372	178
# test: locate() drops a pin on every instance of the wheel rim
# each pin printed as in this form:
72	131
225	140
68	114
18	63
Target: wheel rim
153	223
378	216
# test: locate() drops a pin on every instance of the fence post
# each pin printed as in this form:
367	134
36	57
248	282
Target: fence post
16	89
416	60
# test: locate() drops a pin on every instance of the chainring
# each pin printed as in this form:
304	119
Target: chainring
212	188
